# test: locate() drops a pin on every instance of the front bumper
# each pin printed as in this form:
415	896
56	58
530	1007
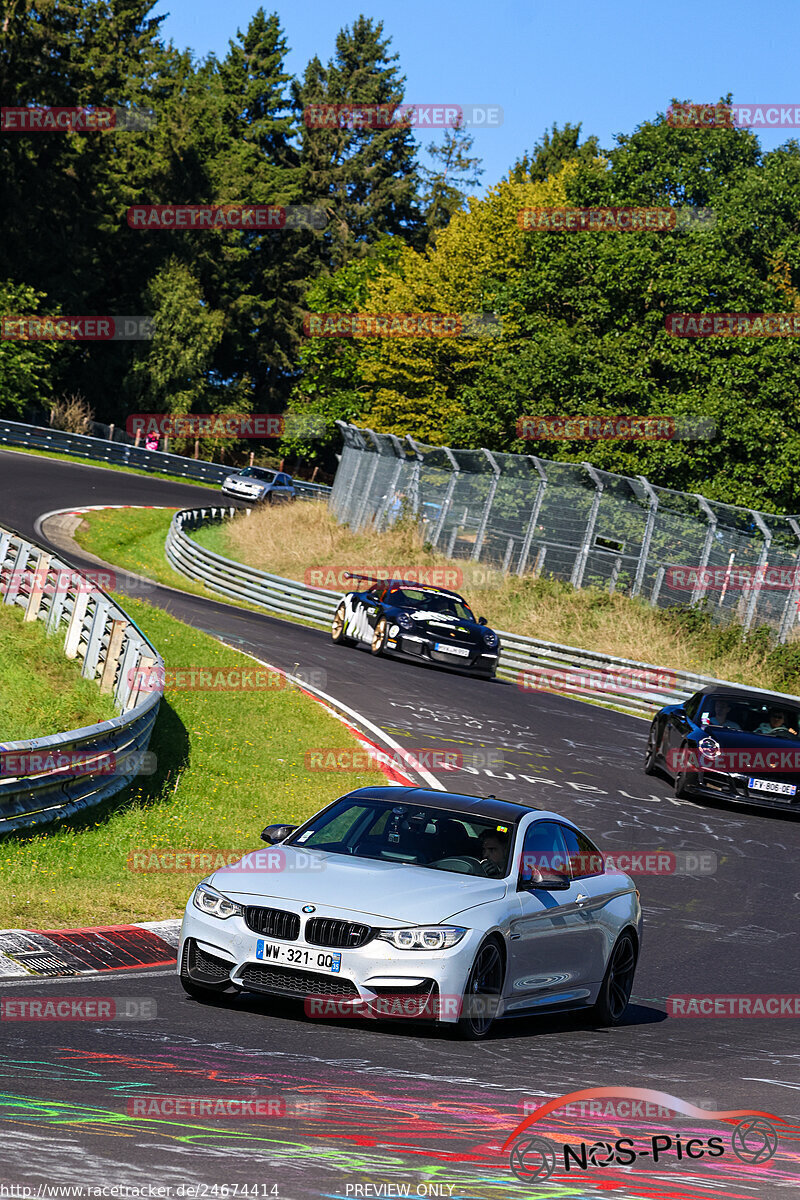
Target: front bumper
218	952
722	785
241	493
478	661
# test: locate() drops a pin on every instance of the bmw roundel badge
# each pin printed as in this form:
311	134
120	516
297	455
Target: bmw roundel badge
309	908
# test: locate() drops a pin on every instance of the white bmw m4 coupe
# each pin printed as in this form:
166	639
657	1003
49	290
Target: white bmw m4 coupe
402	901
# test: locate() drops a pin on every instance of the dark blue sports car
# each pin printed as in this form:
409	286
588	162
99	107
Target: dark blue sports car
400	617
730	744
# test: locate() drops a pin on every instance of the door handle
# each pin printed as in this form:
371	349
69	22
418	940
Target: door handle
580	898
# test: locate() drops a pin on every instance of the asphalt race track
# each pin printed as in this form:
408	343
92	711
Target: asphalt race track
396	1106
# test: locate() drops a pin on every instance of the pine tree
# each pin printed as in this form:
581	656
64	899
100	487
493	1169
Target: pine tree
366	176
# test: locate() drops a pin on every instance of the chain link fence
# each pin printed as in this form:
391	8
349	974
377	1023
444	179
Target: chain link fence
571	521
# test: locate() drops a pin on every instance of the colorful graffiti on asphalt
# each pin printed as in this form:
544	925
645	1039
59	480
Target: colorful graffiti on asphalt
429	1131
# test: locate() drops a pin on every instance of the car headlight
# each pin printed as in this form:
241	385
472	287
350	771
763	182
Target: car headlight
423	937
214	903
490	637
404	621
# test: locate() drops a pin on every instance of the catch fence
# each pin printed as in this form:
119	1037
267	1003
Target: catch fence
574	522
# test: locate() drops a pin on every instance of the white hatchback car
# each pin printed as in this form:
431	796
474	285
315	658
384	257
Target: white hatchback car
407	901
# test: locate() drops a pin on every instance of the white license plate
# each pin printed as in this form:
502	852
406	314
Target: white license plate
772	785
444	649
299	956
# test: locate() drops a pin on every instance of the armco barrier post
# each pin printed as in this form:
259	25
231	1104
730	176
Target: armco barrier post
112	654
37	588
97	631
75	627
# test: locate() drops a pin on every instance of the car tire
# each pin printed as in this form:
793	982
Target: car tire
338	635
615	990
484	980
379	636
651	753
683	782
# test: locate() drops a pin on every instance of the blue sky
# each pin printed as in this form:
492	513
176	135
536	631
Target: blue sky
607	64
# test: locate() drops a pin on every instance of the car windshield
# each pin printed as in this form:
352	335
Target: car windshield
258	473
420	836
432	602
770	718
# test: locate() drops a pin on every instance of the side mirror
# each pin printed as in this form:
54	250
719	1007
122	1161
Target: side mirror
482	621
277	833
537	880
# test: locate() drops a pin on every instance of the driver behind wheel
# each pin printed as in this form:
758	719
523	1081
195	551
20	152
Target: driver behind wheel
494	847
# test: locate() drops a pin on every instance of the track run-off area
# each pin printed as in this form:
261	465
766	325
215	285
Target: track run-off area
398	1106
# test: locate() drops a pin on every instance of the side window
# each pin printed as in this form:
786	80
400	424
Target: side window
584	857
283	481
544	851
692	705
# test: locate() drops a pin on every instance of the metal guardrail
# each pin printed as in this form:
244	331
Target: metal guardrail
41	437
113	651
230	578
634	687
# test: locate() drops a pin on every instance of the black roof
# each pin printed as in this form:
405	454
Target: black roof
479	806
747	693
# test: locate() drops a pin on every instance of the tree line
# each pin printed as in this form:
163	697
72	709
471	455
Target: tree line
555	322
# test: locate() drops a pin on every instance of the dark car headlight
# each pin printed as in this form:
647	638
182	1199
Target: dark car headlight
404	621
490	637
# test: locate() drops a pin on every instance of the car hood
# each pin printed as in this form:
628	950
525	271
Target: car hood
439	623
393	891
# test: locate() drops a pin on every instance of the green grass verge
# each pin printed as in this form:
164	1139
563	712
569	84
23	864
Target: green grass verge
92	462
41	691
133	539
229	762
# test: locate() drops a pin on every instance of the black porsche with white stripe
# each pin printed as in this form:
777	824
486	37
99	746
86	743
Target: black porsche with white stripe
417	621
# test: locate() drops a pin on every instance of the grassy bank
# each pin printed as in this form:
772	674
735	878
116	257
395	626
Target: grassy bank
41	691
229	762
289	540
